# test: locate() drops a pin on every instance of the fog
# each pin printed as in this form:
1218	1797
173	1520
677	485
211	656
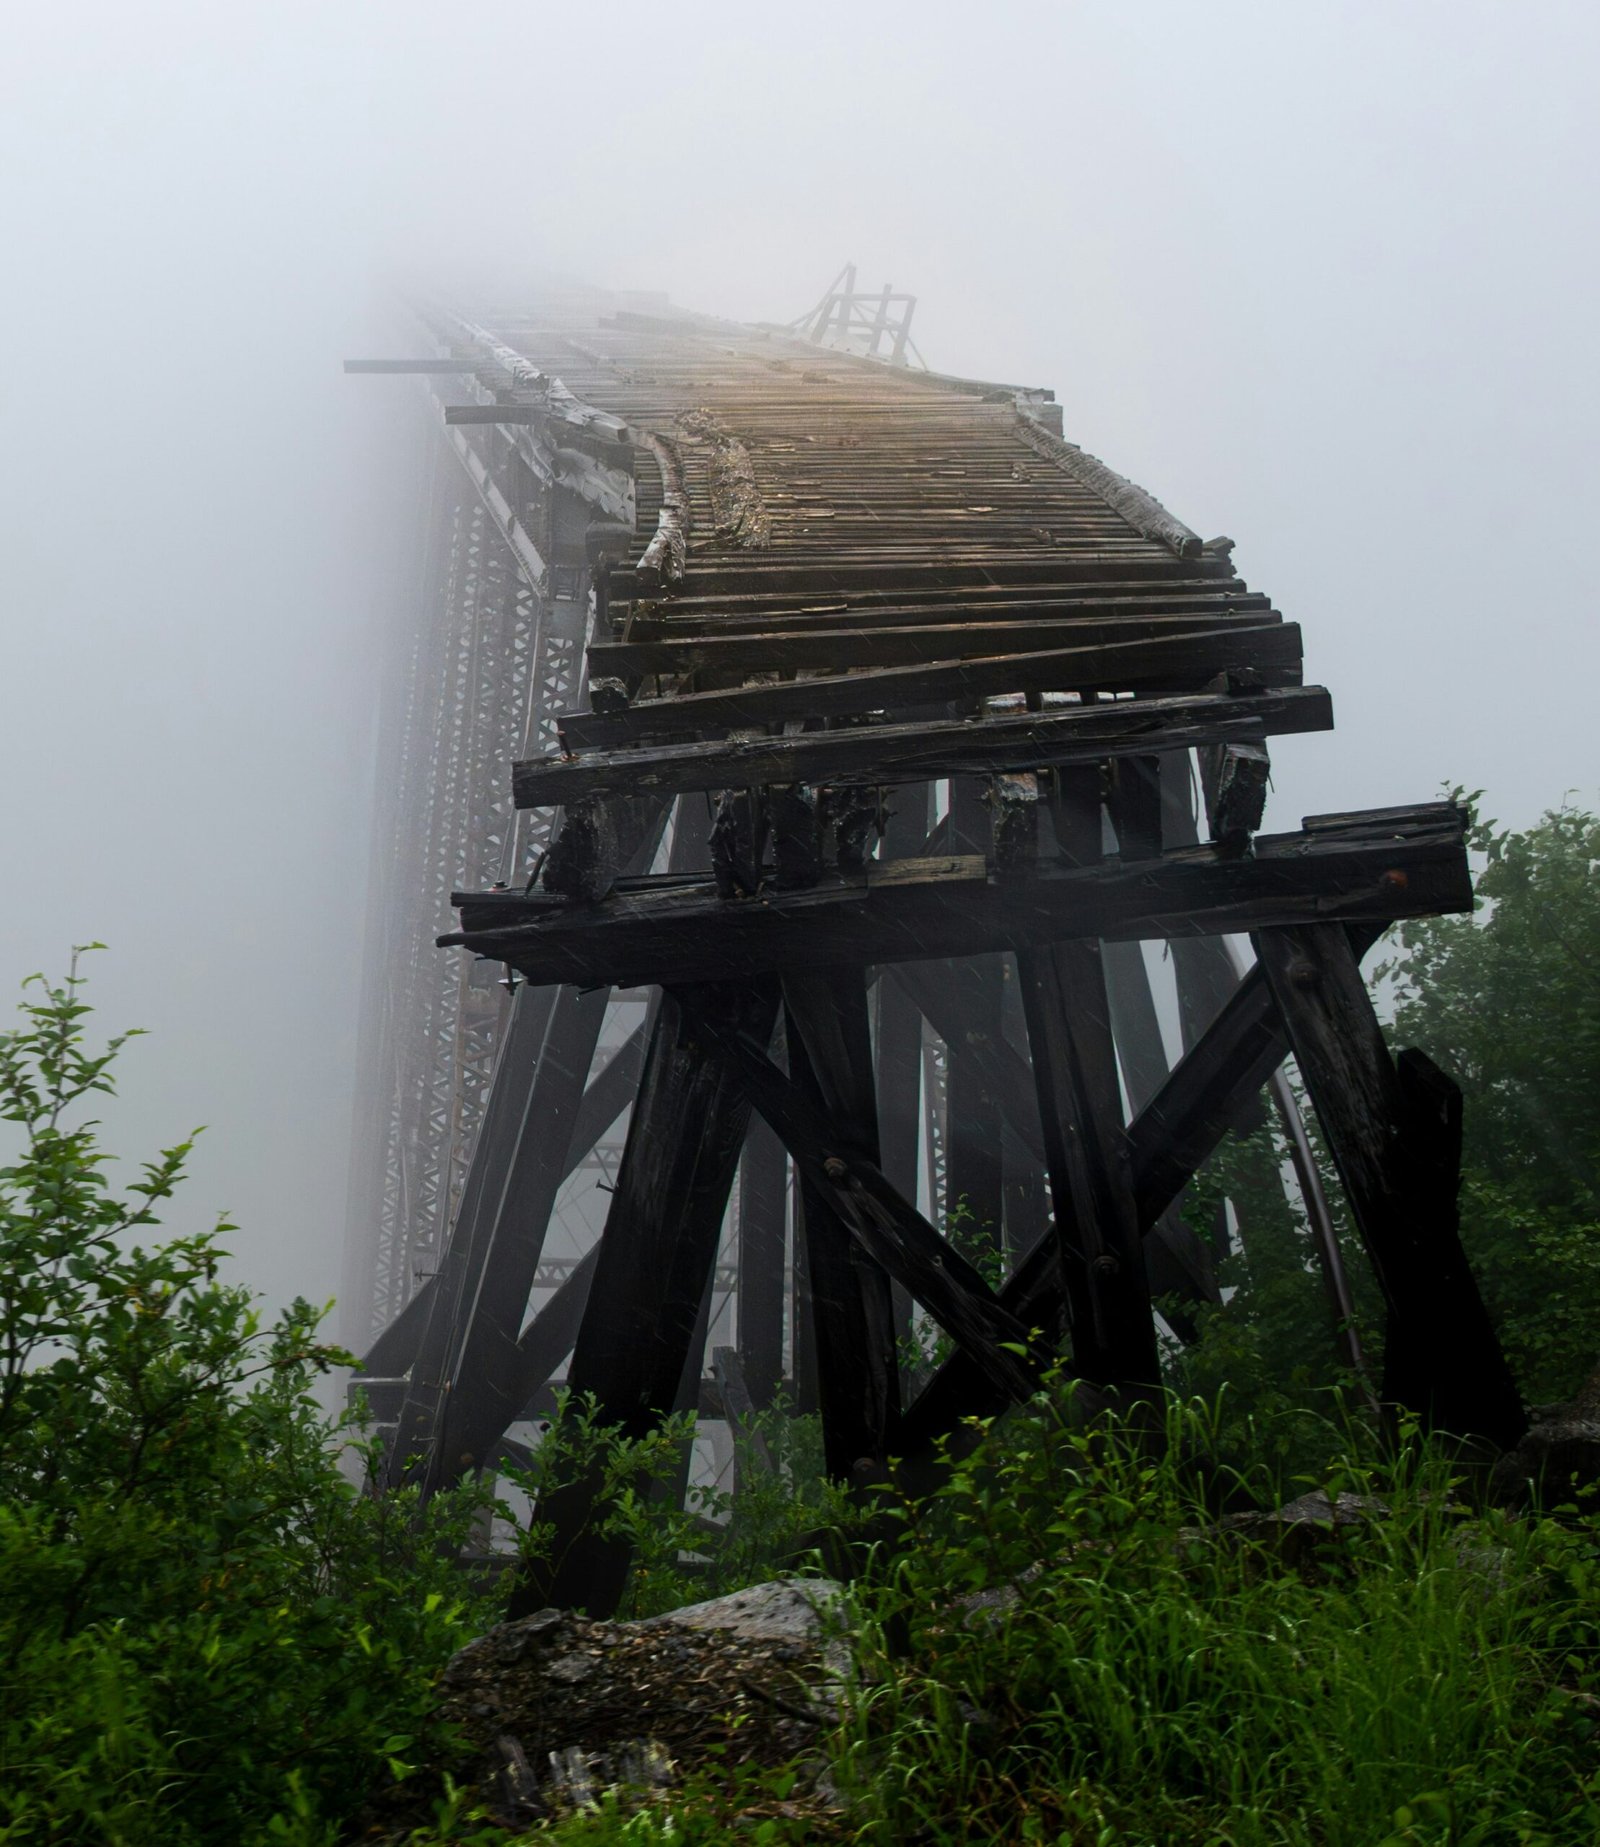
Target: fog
1322	277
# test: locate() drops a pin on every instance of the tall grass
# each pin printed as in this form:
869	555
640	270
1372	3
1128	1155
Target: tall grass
1071	1649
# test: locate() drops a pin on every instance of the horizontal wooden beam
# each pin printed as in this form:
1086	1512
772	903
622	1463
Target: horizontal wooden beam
1176	663
794	644
920	752
824	575
758	613
910	910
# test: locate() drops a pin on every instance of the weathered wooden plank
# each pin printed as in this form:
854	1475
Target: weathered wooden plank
1171	663
913	910
1135	504
597	838
795	641
824	575
872	753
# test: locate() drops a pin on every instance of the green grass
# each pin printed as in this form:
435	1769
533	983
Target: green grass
1421	1677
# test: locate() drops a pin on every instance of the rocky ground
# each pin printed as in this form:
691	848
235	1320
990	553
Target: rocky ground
553	1707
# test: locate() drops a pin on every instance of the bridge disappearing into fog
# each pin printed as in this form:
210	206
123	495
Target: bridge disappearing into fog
788	755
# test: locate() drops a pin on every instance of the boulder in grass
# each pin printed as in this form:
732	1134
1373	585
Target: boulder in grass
553	1708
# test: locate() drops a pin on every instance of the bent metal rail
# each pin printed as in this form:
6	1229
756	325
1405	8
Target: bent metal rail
861	719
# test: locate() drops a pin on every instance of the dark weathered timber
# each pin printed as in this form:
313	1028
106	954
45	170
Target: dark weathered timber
408	1456
651	1274
891	1228
1139	508
1097	1233
889	753
830	1070
1397	1148
800	643
487	1388
1236	778
763	1214
825	577
1173	664
1134	800
548	1338
972	607
597	838
1176	1261
974	1174
608	1094
1005	1072
913	910
1208	1092
396	1347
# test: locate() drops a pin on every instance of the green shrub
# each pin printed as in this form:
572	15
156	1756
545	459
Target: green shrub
206	1633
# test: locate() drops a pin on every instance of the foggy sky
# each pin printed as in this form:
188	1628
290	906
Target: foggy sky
1321	277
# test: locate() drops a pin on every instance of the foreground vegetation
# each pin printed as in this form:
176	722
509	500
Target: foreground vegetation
207	1635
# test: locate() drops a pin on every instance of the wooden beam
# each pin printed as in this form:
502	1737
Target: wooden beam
486	1391
791	641
1173	663
655	1257
913	910
1209	1088
1394	1135
858	1375
920	752
1095	1215
763	1216
891	1229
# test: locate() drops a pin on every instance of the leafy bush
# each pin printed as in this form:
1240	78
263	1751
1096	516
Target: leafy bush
207	1634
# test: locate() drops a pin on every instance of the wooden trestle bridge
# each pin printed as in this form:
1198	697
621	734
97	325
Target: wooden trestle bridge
864	729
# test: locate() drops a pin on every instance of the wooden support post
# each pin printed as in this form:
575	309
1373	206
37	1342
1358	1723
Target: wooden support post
1177	1263
897	1048
1135	802
655	1259
974	1179
886	1226
1394	1135
1080	1108
486	1394
858	1382
763	1214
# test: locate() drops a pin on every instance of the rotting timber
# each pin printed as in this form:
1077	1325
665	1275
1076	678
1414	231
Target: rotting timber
870	727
